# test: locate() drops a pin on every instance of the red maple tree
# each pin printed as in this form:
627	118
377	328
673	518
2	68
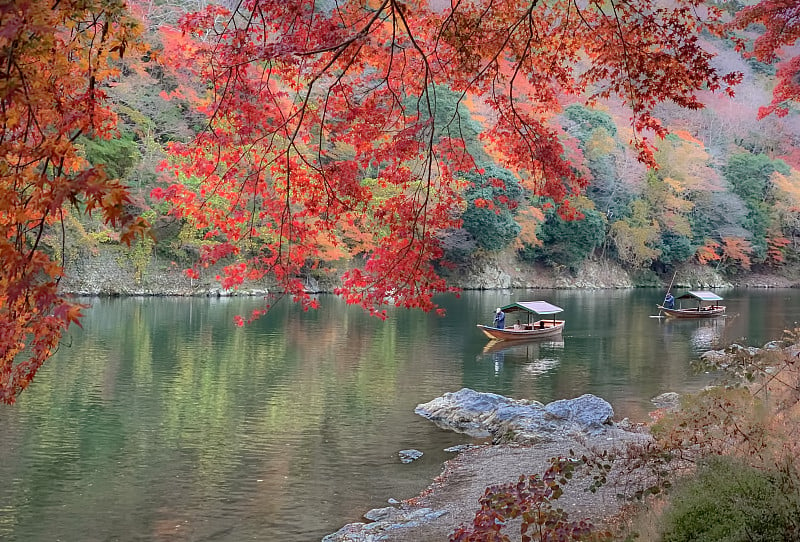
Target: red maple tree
311	110
55	58
781	23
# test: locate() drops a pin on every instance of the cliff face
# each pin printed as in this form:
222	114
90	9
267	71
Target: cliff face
112	272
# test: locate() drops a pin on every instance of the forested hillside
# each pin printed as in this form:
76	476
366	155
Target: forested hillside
726	192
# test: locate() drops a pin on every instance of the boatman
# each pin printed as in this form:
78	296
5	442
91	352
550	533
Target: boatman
499	319
669	301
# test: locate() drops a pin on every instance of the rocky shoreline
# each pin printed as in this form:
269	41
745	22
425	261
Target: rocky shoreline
525	435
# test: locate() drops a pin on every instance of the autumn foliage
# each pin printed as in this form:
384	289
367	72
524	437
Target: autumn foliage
321	120
781	30
55	60
533	501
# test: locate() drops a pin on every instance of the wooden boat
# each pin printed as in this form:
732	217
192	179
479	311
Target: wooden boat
700	311
531	329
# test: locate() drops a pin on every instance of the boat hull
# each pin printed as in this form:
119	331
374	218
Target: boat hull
702	312
541	329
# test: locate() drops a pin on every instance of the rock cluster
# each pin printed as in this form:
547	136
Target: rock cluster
531	433
525	422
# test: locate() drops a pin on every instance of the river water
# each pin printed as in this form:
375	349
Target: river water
162	421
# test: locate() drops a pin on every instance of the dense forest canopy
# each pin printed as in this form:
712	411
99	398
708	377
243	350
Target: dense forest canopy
384	142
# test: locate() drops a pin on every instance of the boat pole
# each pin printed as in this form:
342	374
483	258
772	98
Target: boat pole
669	289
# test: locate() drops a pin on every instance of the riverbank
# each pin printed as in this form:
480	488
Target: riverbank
533	434
111	272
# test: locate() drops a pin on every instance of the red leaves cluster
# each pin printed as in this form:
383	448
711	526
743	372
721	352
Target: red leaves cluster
55	59
781	24
532	500
730	249
322	122
775	250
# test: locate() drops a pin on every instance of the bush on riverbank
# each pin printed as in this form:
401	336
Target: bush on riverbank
729	500
729	454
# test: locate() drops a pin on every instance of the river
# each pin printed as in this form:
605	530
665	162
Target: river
162	421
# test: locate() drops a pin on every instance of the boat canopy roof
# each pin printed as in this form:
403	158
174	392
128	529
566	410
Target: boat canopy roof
538	307
701	295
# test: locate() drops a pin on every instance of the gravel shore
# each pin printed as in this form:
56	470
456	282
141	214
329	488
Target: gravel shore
452	499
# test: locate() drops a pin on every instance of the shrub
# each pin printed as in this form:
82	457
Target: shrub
567	242
491	200
729	501
530	500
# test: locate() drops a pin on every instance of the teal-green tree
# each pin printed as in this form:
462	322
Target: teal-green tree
750	178
675	248
117	156
491	201
750	175
567	242
452	119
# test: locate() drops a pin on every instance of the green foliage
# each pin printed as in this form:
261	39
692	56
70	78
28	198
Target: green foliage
492	229
749	175
118	156
585	121
491	200
675	248
452	119
761	68
758	222
567	242
729	501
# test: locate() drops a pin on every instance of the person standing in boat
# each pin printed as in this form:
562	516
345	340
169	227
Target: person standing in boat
669	301
499	319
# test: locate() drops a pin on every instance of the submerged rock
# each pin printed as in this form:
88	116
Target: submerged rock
668	400
407	456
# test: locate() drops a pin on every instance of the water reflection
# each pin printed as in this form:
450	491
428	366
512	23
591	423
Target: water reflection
704	334
534	357
160	420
